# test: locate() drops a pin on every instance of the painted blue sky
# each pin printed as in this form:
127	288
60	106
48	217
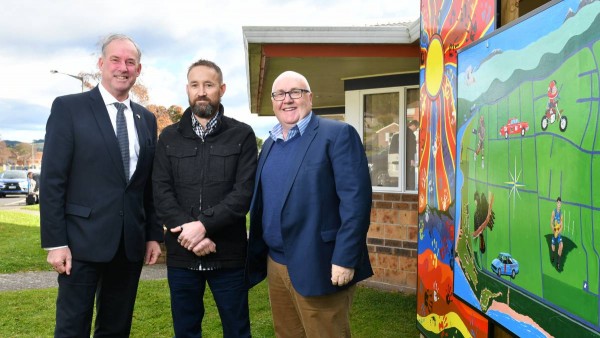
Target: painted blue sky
526	35
38	36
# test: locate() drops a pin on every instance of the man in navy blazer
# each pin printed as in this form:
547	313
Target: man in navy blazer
98	223
310	215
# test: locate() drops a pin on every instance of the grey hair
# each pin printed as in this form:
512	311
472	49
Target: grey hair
114	37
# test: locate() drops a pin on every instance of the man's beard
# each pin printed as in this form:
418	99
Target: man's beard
203	109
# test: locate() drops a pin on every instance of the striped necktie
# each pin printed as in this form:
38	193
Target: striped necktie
123	137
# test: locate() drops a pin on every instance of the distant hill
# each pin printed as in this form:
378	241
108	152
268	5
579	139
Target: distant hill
12	144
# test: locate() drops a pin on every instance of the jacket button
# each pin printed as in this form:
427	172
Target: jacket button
121	213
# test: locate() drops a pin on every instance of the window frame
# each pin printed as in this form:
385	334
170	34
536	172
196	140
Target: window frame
355	117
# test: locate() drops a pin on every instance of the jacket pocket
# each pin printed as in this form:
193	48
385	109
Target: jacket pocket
223	162
183	162
77	210
329	235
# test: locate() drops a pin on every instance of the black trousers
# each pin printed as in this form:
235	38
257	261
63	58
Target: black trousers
113	286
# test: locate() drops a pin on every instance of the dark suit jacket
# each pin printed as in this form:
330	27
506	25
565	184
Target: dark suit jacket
85	201
326	211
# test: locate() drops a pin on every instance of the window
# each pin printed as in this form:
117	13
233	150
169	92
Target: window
390	121
510	10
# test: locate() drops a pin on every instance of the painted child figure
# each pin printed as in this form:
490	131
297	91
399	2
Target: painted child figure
556	224
552	100
480	132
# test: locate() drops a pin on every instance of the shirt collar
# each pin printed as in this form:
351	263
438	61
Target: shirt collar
109	99
277	131
210	126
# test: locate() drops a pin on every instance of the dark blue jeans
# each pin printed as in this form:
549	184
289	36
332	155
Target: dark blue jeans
187	305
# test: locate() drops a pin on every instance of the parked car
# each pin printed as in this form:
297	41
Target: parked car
504	264
514	127
379	169
13	182
384	166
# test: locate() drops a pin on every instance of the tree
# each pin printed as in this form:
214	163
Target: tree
22	152
164	116
4	153
139	92
161	114
175	113
259	143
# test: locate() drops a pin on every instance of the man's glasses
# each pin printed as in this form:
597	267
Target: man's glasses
294	94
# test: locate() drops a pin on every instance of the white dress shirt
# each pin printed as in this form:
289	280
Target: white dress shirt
134	144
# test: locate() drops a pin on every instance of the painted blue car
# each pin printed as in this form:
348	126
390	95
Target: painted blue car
504	264
13	182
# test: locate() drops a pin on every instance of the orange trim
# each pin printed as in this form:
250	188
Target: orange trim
340	50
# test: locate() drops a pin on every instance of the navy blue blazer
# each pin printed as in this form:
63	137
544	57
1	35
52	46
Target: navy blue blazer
326	211
85	200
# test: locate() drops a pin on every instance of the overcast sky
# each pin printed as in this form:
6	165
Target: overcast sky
38	36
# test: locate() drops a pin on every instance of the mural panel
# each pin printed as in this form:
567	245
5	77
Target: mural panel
446	26
527	210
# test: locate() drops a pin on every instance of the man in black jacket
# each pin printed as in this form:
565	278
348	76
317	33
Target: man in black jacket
203	178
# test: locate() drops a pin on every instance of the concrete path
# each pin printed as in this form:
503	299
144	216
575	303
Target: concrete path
47	279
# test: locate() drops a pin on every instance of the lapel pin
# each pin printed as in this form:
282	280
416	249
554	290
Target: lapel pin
138	115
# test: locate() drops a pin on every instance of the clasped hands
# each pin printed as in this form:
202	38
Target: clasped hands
192	237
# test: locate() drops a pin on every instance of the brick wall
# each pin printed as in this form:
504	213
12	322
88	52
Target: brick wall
392	242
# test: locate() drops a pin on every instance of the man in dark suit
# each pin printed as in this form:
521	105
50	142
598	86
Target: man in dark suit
97	216
310	215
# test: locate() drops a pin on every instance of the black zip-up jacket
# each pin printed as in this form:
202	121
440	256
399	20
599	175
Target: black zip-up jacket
210	181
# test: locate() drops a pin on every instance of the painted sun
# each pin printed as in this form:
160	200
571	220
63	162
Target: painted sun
446	27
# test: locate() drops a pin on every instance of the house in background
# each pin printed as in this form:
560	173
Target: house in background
383	136
368	77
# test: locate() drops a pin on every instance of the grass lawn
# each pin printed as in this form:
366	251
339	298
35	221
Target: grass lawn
30	313
35	207
20	246
375	313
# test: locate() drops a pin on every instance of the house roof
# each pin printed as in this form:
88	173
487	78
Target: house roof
326	56
391	125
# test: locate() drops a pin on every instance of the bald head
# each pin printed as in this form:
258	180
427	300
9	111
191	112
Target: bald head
289	110
291	75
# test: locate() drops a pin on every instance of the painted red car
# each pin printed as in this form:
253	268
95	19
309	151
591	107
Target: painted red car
514	127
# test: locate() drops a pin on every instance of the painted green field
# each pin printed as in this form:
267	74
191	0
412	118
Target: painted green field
525	175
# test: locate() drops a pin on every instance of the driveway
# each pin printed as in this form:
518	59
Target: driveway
12	201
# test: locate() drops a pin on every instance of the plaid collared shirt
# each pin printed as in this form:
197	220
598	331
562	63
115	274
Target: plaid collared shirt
210	126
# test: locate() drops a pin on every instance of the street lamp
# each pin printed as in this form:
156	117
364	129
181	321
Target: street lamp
71	75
